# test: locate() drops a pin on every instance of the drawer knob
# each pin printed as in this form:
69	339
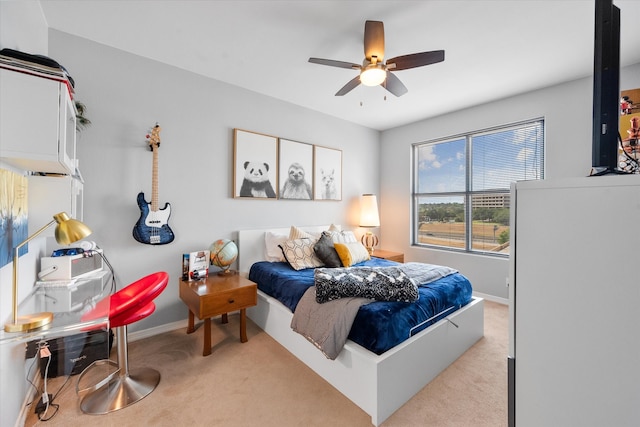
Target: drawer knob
231	300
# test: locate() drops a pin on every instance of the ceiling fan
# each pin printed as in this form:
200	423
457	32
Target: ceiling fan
373	70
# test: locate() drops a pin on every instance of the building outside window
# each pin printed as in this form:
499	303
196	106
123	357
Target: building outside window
461	186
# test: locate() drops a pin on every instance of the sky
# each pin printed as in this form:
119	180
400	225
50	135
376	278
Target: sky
498	159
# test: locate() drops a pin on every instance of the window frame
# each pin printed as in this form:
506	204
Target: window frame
468	193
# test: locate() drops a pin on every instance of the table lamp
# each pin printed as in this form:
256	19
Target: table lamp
67	231
369	218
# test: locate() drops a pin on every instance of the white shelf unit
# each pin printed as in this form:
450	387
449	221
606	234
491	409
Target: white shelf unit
37	123
49	195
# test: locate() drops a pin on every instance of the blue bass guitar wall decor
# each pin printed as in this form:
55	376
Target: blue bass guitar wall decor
153	226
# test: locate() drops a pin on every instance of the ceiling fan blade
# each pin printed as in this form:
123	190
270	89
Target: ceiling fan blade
394	85
374	40
414	60
333	63
353	83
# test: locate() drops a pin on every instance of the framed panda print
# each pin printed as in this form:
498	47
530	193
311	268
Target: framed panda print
255	165
327	173
295	170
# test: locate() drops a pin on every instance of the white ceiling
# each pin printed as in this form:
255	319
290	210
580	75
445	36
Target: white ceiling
494	49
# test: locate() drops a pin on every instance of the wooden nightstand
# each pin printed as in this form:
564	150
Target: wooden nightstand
391	256
218	295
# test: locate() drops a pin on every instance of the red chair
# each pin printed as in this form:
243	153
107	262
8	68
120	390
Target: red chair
123	387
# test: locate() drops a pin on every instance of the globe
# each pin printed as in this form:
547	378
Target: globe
223	253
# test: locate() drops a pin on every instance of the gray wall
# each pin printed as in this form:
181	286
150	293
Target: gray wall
125	95
567	110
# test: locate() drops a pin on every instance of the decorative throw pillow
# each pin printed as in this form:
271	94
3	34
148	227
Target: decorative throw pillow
300	254
298	233
351	253
343	236
326	252
272	242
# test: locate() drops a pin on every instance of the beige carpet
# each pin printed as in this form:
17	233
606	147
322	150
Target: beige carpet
261	383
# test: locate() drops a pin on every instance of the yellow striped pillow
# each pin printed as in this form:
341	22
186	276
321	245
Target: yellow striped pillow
351	253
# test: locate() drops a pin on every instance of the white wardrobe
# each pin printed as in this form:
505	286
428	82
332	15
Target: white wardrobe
574	291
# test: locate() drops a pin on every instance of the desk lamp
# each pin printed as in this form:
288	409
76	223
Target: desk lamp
67	231
369	218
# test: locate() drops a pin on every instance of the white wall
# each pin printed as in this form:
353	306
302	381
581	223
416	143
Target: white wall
125	95
567	110
22	27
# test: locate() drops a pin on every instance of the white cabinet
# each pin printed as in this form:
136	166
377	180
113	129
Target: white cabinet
574	294
52	194
37	123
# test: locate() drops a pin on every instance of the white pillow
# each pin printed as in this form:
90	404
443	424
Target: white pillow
343	237
272	242
298	233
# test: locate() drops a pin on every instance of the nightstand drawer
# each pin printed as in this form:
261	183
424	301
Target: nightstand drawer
225	302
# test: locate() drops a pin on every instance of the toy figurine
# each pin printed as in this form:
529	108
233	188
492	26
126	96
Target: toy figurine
629	158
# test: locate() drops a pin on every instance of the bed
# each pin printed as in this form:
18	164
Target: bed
378	383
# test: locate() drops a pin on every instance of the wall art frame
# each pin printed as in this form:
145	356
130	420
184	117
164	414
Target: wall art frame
14	204
255	165
327	173
295	170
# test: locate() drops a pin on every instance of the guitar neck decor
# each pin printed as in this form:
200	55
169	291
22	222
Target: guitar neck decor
152	227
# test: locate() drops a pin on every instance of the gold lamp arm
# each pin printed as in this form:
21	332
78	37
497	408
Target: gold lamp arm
16	256
68	231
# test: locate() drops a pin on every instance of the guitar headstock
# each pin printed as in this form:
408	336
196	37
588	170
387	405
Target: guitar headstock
154	137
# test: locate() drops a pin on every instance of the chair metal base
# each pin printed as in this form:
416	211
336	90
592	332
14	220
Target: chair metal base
121	391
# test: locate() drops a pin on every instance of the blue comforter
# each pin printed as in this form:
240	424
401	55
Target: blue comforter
379	325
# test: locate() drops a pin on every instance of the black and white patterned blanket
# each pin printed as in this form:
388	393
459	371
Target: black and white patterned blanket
378	283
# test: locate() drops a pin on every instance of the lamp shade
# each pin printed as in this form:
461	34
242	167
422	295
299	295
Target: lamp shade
369	211
69	230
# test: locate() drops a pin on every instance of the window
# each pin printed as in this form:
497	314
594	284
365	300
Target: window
461	186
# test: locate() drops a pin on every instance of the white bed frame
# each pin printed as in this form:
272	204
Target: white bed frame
378	384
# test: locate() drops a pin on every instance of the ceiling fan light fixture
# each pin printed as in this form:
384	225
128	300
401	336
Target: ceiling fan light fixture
373	75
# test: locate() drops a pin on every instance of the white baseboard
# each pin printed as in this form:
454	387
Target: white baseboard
493	298
167	327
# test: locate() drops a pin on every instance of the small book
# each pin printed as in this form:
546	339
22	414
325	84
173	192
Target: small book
195	265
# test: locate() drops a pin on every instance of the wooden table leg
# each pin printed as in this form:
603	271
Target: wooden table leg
225	318
190	327
207	337
243	325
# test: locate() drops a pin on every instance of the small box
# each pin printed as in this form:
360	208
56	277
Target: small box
195	265
69	267
70	355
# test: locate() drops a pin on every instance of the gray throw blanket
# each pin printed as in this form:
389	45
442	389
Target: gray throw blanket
423	274
326	325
